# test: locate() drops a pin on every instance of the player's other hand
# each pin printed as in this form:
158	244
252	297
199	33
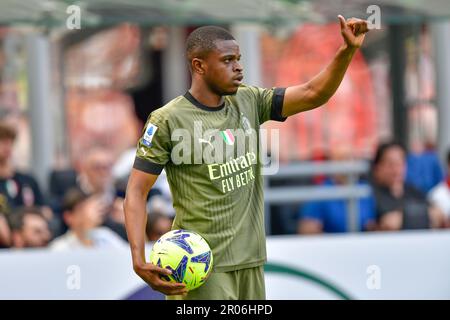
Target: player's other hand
151	274
353	31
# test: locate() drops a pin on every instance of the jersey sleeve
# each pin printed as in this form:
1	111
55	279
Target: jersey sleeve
154	146
269	103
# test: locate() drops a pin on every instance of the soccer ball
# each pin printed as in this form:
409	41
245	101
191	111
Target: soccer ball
186	254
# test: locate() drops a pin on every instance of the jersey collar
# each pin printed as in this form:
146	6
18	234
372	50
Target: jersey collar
198	104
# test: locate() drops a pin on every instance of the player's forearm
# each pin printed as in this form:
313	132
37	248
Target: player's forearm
135	222
325	84
321	88
139	185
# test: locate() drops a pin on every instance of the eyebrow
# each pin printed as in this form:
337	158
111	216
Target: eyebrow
227	56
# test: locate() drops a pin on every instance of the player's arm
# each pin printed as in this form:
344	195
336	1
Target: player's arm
321	88
139	185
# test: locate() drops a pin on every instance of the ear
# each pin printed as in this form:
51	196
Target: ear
67	217
198	66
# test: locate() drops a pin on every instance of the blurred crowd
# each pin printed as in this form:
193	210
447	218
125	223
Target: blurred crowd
84	206
408	191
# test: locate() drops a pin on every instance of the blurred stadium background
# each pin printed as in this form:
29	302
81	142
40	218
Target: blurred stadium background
74	100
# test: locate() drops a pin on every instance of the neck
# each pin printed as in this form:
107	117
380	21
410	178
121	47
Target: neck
83	236
204	95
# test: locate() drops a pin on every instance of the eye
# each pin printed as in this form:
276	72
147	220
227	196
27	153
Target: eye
227	60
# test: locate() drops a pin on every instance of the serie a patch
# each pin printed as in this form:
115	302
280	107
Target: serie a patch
149	134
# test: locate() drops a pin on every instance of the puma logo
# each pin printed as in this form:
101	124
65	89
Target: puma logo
201	140
144	152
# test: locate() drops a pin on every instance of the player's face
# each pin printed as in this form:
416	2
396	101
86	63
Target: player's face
223	72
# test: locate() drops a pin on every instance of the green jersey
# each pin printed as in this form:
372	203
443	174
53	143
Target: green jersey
213	165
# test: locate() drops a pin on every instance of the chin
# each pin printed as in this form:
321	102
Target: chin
231	92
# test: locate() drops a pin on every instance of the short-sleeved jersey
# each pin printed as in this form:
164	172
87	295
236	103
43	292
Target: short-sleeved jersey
212	159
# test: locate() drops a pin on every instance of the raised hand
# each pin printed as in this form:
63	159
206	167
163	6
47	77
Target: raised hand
353	31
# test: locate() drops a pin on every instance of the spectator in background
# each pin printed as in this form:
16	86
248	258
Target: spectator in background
115	216
439	196
398	204
94	178
84	214
423	170
332	215
159	218
29	228
16	189
157	225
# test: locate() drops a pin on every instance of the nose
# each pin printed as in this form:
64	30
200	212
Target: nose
238	67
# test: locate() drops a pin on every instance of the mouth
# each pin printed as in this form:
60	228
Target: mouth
238	79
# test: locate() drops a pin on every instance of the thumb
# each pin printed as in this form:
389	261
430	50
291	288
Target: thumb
342	22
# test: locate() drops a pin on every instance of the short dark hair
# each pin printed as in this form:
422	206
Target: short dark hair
72	198
383	148
201	41
17	217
